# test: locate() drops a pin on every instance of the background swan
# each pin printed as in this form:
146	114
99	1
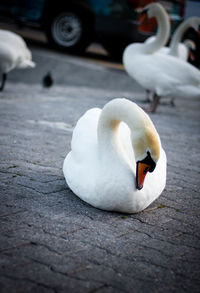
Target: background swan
160	73
176	48
14	53
109	160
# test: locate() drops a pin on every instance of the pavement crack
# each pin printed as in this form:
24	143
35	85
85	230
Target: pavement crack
15	246
31	188
13	213
46	246
132	231
99	288
30	281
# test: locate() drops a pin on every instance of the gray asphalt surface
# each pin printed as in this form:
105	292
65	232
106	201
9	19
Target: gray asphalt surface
51	241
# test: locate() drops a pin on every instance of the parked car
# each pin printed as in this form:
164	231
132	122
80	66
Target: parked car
73	24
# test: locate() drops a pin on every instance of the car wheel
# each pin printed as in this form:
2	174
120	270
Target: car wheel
69	31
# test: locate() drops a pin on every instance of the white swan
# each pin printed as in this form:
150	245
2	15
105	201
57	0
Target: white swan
184	49
162	74
176	48
109	161
14	53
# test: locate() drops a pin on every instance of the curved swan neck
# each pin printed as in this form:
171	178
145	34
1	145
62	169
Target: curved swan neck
178	34
163	31
112	114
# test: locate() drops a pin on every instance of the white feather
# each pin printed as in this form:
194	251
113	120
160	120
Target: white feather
101	166
14	52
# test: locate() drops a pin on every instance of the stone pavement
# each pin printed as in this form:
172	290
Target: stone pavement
51	241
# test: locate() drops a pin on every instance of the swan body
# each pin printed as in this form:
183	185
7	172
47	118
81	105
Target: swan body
176	48
107	147
14	53
165	75
21	55
183	49
160	73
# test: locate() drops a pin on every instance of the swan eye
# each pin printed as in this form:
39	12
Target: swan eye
145	10
150	162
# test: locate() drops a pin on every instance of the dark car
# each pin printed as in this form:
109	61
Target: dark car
73	24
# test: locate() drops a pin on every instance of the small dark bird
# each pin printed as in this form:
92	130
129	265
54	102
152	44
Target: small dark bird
4	77
47	80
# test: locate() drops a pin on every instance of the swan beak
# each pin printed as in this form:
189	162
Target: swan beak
143	16
141	172
191	56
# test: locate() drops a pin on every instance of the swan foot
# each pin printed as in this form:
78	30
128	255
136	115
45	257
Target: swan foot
4	77
169	103
154	104
148	97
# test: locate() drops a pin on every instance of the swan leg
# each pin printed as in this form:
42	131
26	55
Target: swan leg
153	104
4	77
172	103
148	99
147	96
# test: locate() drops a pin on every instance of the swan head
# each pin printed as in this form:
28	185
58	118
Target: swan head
191	47
193	22
147	152
153	9
190	44
144	138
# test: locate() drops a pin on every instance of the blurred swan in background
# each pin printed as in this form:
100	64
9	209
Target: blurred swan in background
159	73
14	53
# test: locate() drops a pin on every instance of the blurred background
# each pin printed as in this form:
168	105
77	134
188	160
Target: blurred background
99	27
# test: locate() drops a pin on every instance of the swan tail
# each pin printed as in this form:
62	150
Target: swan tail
27	64
30	63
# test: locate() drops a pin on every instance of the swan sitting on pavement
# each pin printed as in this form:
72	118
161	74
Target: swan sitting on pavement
162	74
14	53
116	166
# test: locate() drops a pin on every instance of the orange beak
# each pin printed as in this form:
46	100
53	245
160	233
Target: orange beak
142	17
191	56
141	172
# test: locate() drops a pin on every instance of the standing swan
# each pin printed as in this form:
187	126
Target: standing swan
109	160
160	73
14	53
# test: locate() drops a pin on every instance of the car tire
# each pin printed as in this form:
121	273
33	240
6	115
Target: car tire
69	31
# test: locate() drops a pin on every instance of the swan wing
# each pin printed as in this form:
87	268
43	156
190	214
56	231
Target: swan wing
183	52
182	72
8	58
80	165
12	38
18	45
84	136
163	74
